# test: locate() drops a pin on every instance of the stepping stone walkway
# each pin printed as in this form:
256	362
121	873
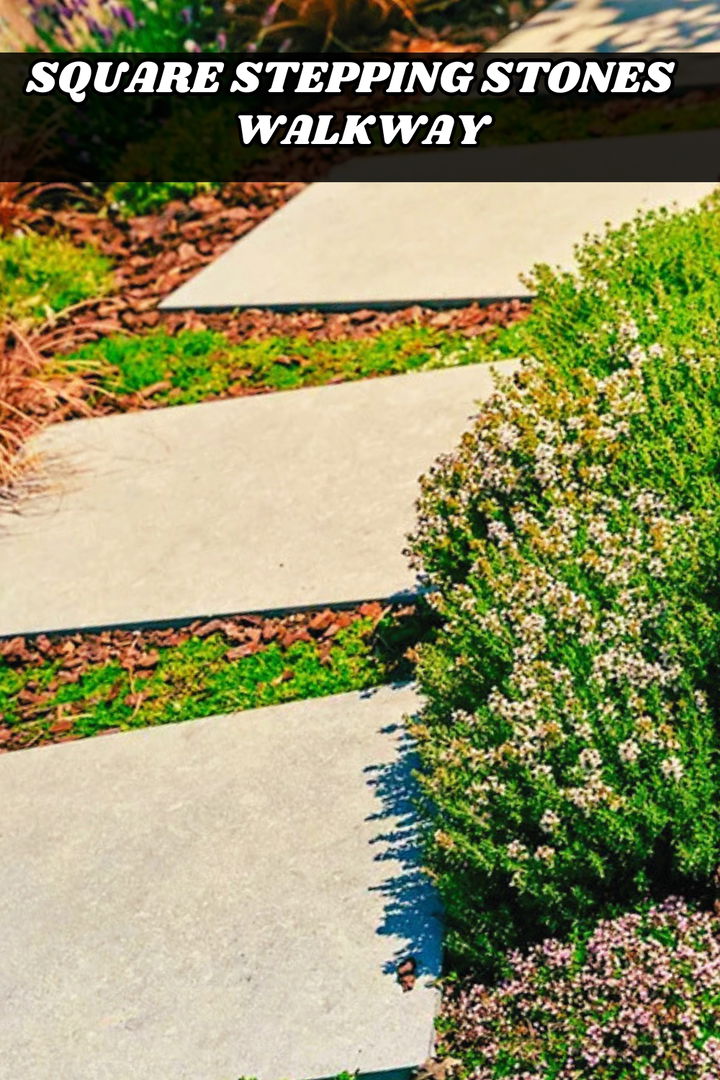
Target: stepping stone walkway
279	501
619	26
355	244
184	903
230	897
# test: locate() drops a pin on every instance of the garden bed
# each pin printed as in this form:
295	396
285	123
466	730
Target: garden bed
287	25
122	373
61	687
111	350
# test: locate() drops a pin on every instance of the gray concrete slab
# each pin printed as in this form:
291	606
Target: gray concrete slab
278	501
222	898
356	244
619	26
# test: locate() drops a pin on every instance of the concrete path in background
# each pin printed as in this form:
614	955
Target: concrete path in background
619	26
222	898
263	503
355	244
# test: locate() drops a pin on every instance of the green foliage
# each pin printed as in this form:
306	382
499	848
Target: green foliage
202	364
142	197
569	748
132	26
195	679
40	275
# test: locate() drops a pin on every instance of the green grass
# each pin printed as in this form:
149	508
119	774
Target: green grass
195	679
197	365
42	275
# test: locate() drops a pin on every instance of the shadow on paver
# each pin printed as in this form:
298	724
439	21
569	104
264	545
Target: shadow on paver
687	29
618	26
412	908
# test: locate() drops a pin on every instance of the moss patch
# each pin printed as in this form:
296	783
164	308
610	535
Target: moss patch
196	365
72	687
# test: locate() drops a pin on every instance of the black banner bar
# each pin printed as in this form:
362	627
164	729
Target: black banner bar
489	116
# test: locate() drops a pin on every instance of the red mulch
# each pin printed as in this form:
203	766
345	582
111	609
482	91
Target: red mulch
137	651
156	253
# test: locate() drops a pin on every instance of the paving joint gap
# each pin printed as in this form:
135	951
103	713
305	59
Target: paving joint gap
181	621
374	305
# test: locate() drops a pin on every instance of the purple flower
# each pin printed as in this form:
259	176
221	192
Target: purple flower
128	16
270	13
646	989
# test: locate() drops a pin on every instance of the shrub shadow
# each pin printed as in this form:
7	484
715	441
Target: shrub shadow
412	913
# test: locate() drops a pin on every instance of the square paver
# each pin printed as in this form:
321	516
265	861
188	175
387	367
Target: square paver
266	503
221	898
362	242
619	26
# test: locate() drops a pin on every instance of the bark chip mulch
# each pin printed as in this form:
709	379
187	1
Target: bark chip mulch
138	652
156	253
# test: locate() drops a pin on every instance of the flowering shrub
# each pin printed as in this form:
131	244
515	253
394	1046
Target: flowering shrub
638	1000
568	746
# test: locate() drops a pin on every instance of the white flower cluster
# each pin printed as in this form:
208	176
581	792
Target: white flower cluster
564	585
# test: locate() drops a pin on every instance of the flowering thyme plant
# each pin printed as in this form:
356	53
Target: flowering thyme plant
569	751
638	1000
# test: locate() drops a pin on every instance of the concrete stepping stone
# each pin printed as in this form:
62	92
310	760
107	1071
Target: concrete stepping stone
363	243
265	503
221	898
619	26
